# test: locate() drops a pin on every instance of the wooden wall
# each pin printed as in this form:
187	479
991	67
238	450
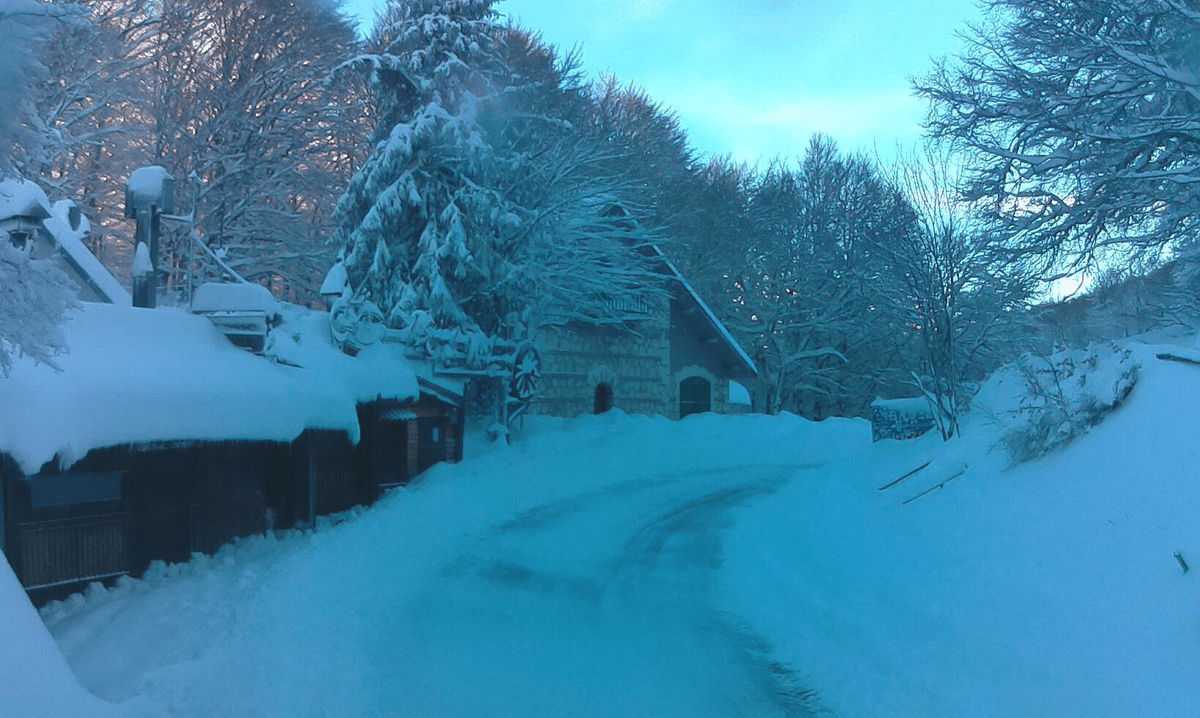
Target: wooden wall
121	508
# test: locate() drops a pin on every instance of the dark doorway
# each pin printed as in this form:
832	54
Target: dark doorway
603	398
695	396
431	440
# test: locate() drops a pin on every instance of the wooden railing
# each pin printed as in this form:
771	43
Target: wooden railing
61	551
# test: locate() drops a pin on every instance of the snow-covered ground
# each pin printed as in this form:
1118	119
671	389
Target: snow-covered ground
719	566
1046	589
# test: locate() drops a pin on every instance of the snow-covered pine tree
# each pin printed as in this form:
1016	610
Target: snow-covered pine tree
420	220
491	205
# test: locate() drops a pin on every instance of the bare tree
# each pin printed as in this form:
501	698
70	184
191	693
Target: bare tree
1080	119
800	274
953	291
244	115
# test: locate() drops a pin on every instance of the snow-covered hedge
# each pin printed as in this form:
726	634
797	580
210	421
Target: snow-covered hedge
1046	401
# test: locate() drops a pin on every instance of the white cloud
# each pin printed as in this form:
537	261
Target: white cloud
645	9
753	127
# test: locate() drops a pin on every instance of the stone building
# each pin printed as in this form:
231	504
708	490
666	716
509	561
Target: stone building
678	360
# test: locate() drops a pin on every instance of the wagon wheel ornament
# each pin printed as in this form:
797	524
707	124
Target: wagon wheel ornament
527	372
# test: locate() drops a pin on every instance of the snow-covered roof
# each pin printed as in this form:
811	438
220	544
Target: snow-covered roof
335	280
70	242
716	324
216	297
22	198
144	375
910	405
142	264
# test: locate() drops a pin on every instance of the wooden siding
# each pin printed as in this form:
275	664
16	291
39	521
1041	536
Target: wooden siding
57	551
166	500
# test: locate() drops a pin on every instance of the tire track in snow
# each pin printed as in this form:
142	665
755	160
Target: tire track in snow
683	547
642	576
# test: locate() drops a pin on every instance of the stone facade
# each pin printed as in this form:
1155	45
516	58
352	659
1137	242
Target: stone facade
633	362
644	365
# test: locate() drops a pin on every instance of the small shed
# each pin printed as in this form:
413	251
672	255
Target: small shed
31	224
900	418
243	312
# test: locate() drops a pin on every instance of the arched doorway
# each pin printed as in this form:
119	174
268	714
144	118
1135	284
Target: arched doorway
695	396
603	400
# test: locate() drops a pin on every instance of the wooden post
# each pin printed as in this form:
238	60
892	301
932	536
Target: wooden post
312	482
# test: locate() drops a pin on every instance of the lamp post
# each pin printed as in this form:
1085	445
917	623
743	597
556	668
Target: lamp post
149	192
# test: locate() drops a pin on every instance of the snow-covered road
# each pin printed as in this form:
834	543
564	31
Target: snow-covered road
574	575
597	605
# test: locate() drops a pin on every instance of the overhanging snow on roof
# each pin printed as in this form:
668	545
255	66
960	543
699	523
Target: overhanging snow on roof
22	198
135	376
397	413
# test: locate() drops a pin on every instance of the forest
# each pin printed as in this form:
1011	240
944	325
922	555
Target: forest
476	185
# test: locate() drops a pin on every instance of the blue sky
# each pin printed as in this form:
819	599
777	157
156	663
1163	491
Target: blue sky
755	78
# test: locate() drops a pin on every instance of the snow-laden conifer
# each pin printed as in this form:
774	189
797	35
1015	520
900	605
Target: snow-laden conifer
490	205
418	219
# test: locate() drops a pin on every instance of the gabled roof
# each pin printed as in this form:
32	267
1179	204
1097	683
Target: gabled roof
22	198
68	236
722	333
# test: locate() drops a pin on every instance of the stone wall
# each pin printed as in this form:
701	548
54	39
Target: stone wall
644	367
577	358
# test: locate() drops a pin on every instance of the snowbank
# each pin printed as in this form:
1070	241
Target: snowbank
34	679
141	375
1047	589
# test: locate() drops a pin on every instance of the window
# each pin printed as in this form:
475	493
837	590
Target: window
19	238
71	489
695	396
603	400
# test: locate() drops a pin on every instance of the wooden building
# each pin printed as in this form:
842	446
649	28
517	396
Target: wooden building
159	439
